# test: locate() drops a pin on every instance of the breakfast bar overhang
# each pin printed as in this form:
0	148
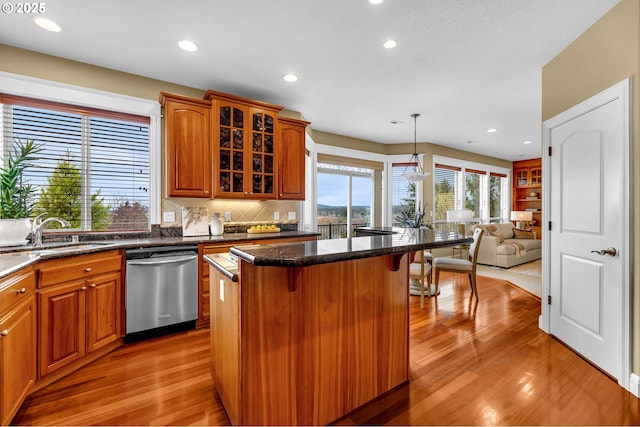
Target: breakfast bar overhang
304	333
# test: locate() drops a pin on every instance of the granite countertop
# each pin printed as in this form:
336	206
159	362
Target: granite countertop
333	250
15	258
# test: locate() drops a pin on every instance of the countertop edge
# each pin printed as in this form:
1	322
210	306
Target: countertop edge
301	261
11	260
230	274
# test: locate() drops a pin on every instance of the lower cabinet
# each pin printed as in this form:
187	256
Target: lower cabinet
17	342
79	315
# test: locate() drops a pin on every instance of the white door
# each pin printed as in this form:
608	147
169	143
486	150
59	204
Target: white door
588	196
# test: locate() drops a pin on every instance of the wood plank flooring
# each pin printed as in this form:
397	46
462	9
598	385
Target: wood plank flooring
470	364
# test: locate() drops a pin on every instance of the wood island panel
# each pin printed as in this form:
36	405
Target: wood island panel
310	355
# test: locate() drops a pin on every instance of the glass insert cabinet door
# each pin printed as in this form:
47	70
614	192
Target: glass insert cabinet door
246	160
262	153
231	148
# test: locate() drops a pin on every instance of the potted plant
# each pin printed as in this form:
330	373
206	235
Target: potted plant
408	216
16	195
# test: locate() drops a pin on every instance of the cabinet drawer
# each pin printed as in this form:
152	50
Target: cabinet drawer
77	267
18	286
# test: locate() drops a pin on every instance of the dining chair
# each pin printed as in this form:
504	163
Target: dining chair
420	269
456	265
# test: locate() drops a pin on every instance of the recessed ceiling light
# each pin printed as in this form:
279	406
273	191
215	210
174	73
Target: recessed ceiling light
188	45
290	77
492	130
375	1
47	24
390	44
527	142
469	142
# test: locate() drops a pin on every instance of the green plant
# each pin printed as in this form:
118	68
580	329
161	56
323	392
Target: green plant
16	195
62	197
408	216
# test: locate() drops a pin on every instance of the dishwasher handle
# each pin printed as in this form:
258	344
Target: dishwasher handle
161	261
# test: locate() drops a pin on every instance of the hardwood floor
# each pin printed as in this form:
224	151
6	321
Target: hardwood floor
470	364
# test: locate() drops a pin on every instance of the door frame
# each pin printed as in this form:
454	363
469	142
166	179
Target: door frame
620	91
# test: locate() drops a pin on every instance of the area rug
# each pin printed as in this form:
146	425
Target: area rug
526	276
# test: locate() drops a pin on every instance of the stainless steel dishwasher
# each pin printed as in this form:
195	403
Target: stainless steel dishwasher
161	288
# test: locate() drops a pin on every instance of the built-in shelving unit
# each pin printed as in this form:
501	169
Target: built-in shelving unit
527	191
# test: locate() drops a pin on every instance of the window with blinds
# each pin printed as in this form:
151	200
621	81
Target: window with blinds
498	192
403	193
92	167
447	182
484	192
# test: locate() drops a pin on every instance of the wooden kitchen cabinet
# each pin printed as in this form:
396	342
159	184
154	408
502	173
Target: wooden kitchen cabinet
80	308
187	145
245	147
17	341
291	155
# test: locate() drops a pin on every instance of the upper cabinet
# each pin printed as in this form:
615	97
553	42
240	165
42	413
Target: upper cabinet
188	154
244	147
291	164
230	147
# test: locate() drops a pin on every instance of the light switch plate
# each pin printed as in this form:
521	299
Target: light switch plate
227	216
276	216
168	217
292	215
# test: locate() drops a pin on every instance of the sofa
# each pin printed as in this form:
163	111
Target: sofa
503	245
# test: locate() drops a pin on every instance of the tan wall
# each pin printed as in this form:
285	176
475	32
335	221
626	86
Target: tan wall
429	150
341	141
33	64
604	55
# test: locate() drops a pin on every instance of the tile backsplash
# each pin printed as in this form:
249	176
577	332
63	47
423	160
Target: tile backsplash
242	211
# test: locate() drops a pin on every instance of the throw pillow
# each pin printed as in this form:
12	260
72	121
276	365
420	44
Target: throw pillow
491	228
523	234
499	235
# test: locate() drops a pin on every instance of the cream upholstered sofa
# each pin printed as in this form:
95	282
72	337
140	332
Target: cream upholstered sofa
501	247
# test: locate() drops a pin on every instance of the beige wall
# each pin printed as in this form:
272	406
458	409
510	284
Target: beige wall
604	55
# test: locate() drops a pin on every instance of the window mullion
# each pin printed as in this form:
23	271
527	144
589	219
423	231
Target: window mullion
85	175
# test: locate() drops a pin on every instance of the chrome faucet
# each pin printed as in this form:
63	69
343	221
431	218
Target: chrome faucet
39	225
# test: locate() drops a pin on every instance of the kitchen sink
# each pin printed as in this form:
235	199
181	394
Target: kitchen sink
51	250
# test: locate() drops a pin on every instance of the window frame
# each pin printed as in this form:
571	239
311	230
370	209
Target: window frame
95	100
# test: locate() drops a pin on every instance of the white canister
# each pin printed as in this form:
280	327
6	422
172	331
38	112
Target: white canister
217	225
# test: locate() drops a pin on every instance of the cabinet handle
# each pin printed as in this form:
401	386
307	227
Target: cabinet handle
21	291
4	333
93	285
88	269
84	288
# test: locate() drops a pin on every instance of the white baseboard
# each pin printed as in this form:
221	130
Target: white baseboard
634	385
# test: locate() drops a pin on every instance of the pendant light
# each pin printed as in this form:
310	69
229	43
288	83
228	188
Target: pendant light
415	173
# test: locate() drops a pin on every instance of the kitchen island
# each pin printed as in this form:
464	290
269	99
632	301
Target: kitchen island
304	333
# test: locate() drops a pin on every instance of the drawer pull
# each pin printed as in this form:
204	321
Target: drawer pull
93	285
21	291
4	333
84	288
88	269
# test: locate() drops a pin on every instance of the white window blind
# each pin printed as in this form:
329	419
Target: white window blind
93	166
403	192
448	187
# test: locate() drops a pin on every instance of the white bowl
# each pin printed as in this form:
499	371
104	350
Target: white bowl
14	232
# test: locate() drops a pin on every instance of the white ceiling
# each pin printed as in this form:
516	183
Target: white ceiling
464	65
